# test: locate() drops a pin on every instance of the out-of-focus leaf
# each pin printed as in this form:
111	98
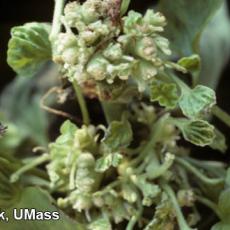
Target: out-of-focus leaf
11	139
221	226
215	47
196	101
224	210
119	135
104	163
21	106
219	142
224	205
227	178
34	198
124	6
164	93
198	132
186	20
9	193
28	48
100	224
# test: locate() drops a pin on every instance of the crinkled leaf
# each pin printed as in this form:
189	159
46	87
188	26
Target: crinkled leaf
102	223
104	163
35	198
186	20
129	192
68	127
121	211
28	48
164	216
119	135
164	93
149	190
192	64
124	6
219	142
215	48
198	132
197	101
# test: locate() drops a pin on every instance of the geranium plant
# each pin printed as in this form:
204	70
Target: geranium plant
133	167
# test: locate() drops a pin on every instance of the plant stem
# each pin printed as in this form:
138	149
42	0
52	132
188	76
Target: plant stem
222	115
56	25
82	103
39	160
181	220
135	218
214	167
198	174
210	204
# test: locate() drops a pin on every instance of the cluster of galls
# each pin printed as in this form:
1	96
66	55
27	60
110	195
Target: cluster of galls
71	169
94	47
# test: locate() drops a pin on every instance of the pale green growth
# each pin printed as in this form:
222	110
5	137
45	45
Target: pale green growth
69	153
101	50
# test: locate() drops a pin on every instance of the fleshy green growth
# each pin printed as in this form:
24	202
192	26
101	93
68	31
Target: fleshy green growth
106	50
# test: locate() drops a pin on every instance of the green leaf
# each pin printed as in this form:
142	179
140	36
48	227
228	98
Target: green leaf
9	193
221	226
12	139
192	64
186	20
224	205
227	178
224	209
150	191
34	198
219	142
164	93
104	163
124	6
195	102
68	127
20	104
129	192
198	132
100	224
29	48
164	217
215	47
119	135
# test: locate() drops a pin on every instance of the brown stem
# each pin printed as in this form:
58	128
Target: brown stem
55	111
